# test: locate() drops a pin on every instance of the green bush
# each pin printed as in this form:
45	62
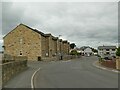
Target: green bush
73	52
118	51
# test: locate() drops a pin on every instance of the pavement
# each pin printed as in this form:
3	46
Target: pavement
23	79
76	73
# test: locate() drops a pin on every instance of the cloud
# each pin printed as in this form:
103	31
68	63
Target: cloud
83	23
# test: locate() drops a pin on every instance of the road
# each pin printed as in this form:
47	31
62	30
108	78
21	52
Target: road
77	73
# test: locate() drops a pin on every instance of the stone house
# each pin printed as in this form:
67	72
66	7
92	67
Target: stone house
26	41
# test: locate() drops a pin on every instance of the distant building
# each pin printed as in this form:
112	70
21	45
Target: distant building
107	51
86	51
25	41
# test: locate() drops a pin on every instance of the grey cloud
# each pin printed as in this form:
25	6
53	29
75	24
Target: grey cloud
78	22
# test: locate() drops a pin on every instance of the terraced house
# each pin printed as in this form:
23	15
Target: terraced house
26	41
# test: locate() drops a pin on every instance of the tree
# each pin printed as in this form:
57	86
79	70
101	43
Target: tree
118	51
73	52
94	50
72	45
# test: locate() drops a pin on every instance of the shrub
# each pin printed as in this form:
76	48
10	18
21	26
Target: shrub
118	51
73	52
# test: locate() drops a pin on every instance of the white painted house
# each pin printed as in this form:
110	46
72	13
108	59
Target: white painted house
107	51
86	51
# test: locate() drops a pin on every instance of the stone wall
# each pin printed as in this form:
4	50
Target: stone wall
109	63
9	69
8	58
115	64
11	65
66	47
58	57
23	41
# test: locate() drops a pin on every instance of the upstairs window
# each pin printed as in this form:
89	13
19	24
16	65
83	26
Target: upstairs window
107	53
107	49
113	49
21	40
20	52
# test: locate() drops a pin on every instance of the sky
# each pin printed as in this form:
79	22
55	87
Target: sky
83	23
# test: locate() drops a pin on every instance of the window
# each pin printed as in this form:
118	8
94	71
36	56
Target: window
20	41
113	49
107	53
20	52
107	49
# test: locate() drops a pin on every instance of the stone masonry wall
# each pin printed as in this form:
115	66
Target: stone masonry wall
11	68
118	63
23	41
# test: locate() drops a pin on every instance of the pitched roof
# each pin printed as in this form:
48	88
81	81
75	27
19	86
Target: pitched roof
37	31
65	41
60	40
28	28
107	47
84	47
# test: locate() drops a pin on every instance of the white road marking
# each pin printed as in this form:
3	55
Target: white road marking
32	79
103	68
115	71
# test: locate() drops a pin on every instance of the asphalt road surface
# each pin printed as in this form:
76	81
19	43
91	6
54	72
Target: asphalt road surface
79	73
76	73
